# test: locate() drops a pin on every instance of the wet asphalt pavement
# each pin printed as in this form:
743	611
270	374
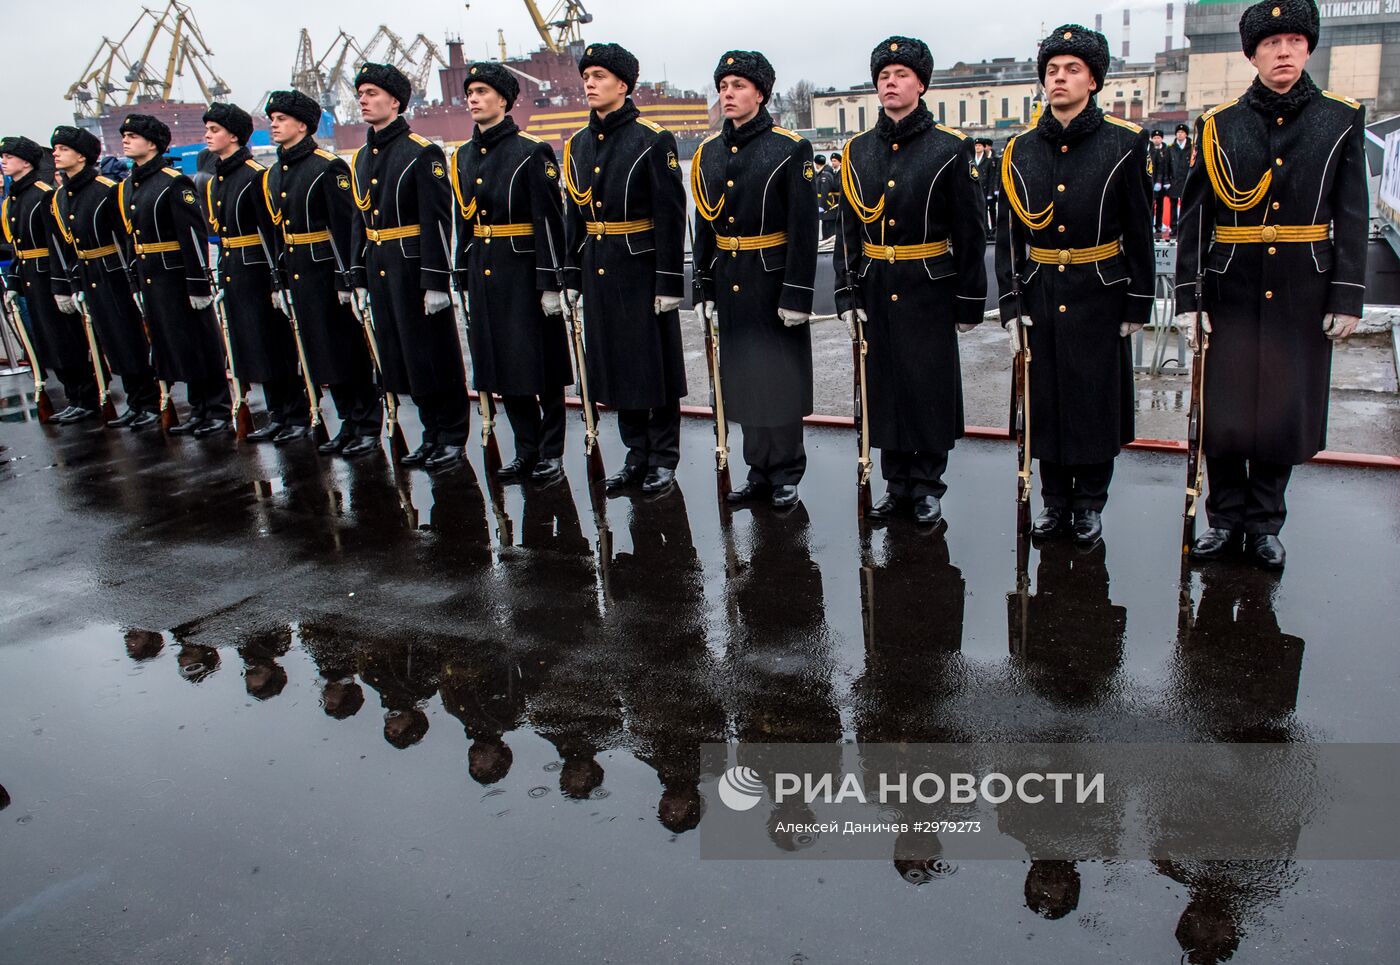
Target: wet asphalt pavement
262	706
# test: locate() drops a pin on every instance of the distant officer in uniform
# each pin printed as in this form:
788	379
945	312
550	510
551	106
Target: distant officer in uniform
26	222
1178	154
308	198
263	348
1159	172
911	265
828	196
984	162
510	256
1075	192
625	223
756	252
165	223
1276	216
87	226
403	247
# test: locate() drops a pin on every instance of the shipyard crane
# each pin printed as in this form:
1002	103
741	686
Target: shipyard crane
560	28
330	79
420	57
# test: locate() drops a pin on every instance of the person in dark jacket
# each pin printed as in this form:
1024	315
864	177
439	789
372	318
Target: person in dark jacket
165	227
87	226
403	254
624	219
26	223
985	163
1075	266
1275	219
1159	173
1178	162
510	257
828	188
911	267
312	209
756	255
263	348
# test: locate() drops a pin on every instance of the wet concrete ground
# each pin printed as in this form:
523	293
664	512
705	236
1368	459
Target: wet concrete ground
259	706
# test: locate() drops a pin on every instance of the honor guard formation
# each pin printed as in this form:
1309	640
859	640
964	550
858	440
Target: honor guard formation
313	273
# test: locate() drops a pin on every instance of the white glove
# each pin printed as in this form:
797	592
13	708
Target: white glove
66	305
1129	328
850	317
1157	187
345	298
551	303
964	327
279	302
1338	326
573	298
793	319
665	303
11	298
1186	321
200	302
1015	328
434	302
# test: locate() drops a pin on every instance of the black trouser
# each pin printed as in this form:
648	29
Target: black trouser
914	474
209	398
1176	213
538	424
775	454
652	436
991	224
445	416
828	228
285	399
141	391
360	408
79	385
1075	487
1246	494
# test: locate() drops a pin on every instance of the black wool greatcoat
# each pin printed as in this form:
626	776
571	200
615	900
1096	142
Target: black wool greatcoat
307	193
263	348
828	188
1089	182
160	207
59	339
1178	166
623	168
88	229
1269	365
400	181
753	181
921	172
505	177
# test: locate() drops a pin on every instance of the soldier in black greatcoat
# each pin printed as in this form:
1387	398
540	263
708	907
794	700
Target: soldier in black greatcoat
828	196
756	255
1159	173
1275	216
1178	157
910	266
1075	191
510	259
985	164
165	224
26	223
308	197
87	226
403	252
263	348
624	219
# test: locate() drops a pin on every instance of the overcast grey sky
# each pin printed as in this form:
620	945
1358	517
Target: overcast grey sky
825	41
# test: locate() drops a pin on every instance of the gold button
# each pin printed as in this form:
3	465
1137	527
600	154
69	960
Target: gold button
1278	162
1273	250
597	170
374	150
597	204
1064	148
291	247
1278	120
889	184
1061	229
891	222
284	194
92	286
600	271
1268	294
1060	188
894	298
729	184
294	278
1268	234
600	236
284	167
1062	267
733	150
1063	309
221	177
483	150
375	212
600	137
731	219
736	288
228	278
1274	206
894	147
381	274
478	180
376	181
488	241
733	254
487	273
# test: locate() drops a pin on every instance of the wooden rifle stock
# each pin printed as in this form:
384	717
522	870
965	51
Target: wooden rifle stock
486	403
42	402
169	419
242	419
1195	429
859	349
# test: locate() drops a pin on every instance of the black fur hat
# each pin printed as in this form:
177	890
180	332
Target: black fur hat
1278	17
148	127
388	78
1074	40
231	118
84	142
23	148
908	51
496	77
297	105
1182	128
615	59
750	65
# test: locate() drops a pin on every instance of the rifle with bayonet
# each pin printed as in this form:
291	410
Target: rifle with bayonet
169	419
1195	426
697	290
242	419
41	395
490	448
109	411
1021	410
859	350
574	323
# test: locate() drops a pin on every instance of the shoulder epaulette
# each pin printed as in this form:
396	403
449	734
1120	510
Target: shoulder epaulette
530	137
1219	107
328	155
173	173
420	140
710	138
651	124
953	131
1128	125
43	186
791	135
254	165
1354	105
105	181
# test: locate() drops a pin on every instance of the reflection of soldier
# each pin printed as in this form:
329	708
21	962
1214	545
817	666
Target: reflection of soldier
197	662
142	645
1052	888
1071	644
334	656
1225	896
263	677
486	691
4	798
406	675
458	521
